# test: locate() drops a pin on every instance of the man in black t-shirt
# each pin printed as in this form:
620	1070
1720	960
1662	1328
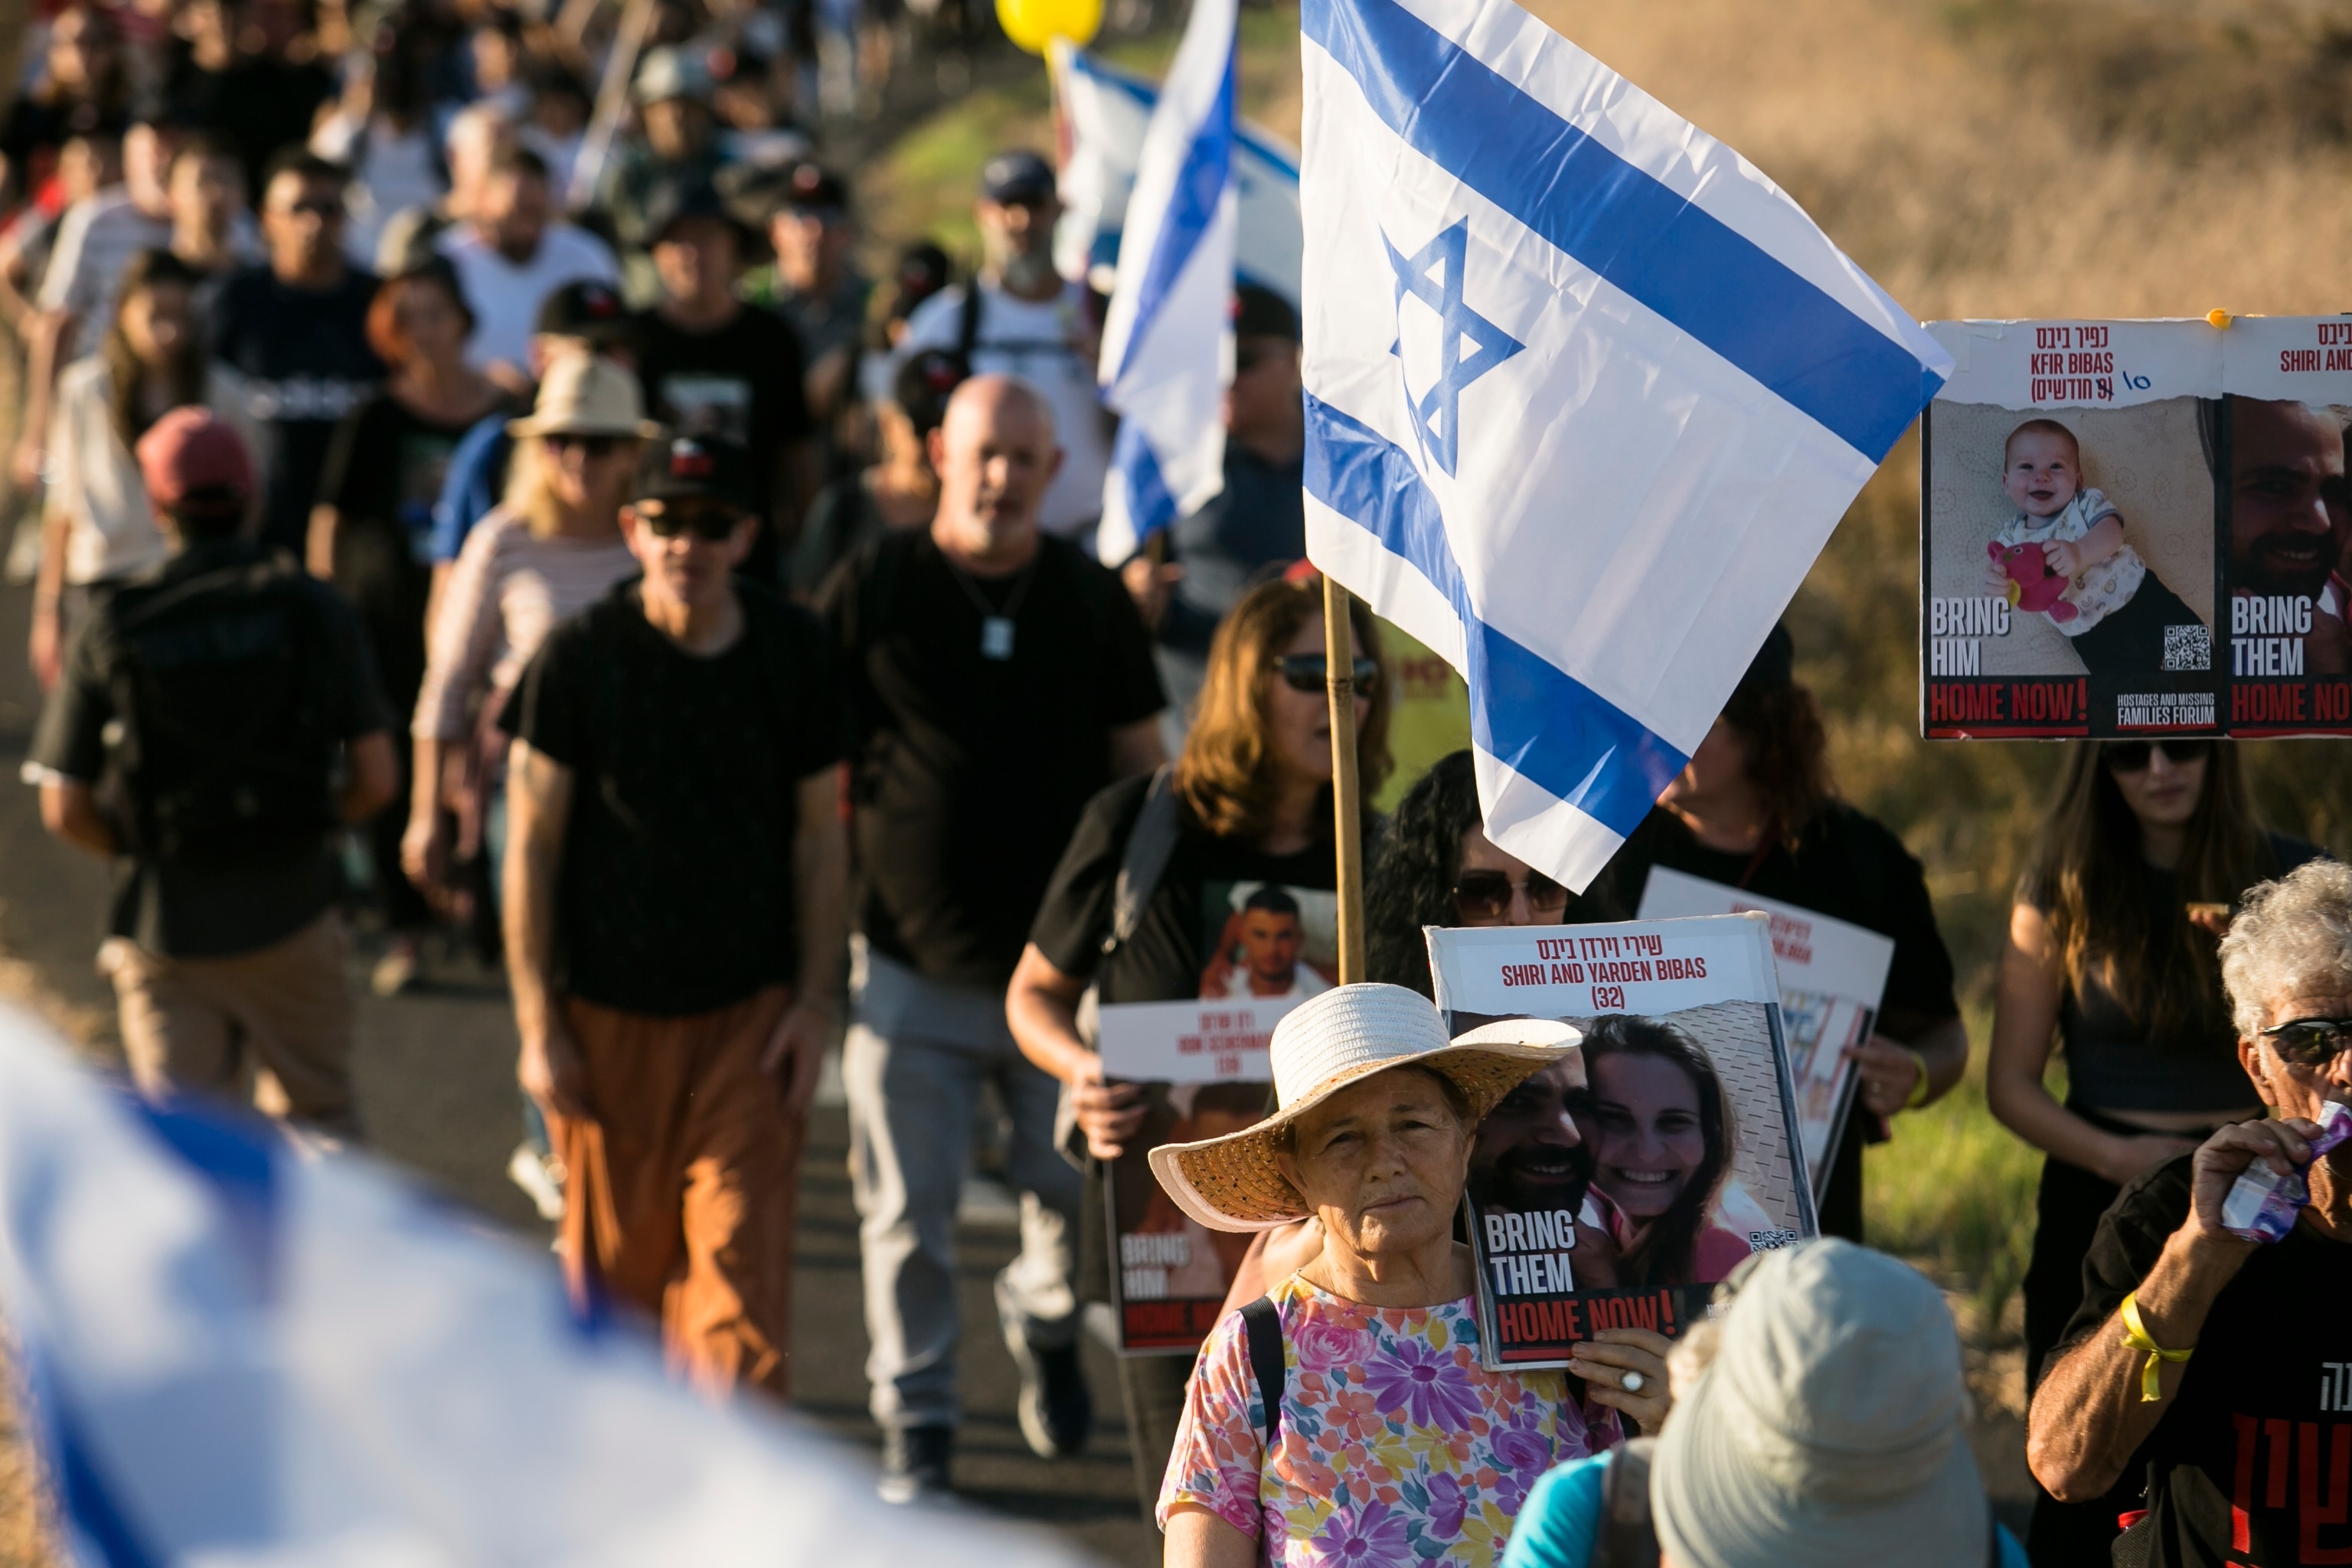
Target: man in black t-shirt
296	327
716	368
222	693
999	680
675	866
2217	1368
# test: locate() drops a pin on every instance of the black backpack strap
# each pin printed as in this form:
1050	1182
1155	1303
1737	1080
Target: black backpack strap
1628	1537
1269	1361
1149	843
968	324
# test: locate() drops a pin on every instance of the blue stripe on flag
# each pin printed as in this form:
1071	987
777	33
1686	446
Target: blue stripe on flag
1525	712
1191	207
235	1158
1651	242
1150	507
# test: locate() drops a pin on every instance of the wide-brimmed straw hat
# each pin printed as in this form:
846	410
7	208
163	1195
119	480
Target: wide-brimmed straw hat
1338	1039
587	394
1830	1428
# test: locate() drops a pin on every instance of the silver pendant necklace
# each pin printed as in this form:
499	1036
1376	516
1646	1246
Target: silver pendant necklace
996	625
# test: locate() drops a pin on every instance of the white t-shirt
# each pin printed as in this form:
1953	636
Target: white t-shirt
506	296
396	171
1033	342
2103	589
1304	982
94	479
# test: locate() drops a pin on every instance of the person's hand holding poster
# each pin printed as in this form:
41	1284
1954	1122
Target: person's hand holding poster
1268	948
1832	974
1614	1189
2137	528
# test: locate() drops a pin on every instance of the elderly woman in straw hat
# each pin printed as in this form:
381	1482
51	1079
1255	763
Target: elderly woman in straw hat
1822	1423
1386	1441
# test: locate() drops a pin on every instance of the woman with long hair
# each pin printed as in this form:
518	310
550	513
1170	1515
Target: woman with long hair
2113	956
1661	1131
1437	867
548	551
96	529
1756	810
371	531
1249	799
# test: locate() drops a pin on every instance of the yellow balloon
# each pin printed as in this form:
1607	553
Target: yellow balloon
1033	23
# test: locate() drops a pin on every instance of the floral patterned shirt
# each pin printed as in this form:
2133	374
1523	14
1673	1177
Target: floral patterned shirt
1396	1446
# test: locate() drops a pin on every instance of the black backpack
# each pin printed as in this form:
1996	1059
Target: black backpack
226	684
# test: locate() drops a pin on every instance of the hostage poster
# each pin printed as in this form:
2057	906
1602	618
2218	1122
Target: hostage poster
1618	1188
1832	975
2137	528
1266	948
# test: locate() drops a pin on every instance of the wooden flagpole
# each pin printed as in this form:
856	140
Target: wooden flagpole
1339	663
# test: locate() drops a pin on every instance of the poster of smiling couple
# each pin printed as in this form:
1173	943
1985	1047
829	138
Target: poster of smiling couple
2138	529
1616	1188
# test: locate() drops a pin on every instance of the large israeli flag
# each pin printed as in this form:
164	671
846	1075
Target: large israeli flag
1168	337
237	1356
1586	394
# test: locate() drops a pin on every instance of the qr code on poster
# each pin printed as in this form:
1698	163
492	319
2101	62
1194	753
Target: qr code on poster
2188	648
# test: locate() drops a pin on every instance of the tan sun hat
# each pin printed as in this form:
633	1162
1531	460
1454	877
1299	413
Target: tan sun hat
1830	1430
588	395
1338	1039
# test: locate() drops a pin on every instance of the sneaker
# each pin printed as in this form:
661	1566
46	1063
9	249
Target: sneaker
396	971
526	1169
1056	1410
915	1464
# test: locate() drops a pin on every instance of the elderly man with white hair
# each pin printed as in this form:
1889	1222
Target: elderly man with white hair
2220	1368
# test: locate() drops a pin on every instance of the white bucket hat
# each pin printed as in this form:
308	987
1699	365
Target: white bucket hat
1338	1039
588	395
1829	1428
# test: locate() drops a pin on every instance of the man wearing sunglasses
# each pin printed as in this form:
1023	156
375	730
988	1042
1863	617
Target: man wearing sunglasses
297	326
2220	1368
675	868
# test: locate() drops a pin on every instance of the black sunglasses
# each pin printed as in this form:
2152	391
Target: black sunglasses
2311	1042
712	525
594	446
2132	756
1312	672
1484	898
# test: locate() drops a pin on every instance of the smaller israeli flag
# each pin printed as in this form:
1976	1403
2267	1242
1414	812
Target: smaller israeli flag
1586	393
1168	341
236	1355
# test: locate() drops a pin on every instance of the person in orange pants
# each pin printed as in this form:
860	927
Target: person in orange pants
675	863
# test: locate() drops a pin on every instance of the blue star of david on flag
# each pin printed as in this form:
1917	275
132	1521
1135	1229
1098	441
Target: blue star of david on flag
1437	413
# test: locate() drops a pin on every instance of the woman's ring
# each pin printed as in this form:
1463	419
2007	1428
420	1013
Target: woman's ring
1634	1382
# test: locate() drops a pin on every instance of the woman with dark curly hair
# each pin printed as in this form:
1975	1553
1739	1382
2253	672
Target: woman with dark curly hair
1756	809
1437	867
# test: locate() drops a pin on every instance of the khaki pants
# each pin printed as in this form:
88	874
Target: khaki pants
188	1021
679	1187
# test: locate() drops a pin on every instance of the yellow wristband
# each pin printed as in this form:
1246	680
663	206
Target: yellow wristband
2136	1337
1918	1095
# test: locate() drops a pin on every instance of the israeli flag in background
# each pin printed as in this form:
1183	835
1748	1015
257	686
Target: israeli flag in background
1100	115
1586	394
239	1356
1168	338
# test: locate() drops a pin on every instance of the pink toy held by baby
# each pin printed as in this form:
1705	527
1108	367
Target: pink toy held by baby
2032	585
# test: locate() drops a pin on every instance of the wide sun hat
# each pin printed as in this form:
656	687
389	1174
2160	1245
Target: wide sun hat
587	394
1336	1039
1829	1428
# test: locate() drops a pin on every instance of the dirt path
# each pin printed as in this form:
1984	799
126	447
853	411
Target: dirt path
437	1086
